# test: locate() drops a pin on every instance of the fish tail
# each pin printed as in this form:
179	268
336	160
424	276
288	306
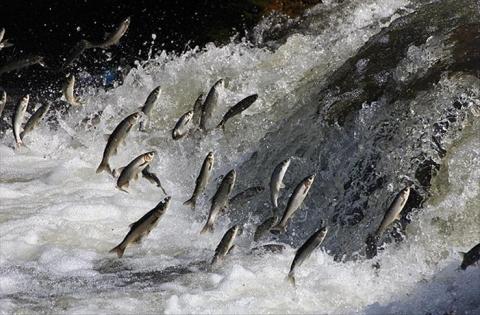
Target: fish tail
190	202
119	250
6	44
221	125
21	135
104	166
207	228
291	278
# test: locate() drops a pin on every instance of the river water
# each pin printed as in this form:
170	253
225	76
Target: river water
368	95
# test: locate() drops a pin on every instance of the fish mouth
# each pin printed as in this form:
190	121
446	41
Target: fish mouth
149	157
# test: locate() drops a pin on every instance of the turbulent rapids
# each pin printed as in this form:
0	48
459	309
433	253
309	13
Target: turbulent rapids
370	96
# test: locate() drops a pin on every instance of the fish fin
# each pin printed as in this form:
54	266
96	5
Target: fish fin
462	254
138	240
282	185
104	166
6	44
121	187
116	172
115	151
190	203
21	135
119	250
231	249
398	216
207	228
291	278
136	176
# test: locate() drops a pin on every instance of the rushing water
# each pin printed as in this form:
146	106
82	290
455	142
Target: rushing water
369	95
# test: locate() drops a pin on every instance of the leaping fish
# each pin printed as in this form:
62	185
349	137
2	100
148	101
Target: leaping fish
35	120
133	169
237	109
142	227
18	118
209	106
220	200
295	201
226	244
305	251
115	138
202	180
69	93
114	38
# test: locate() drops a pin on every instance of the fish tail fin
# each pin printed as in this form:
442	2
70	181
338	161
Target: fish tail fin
6	44
462	254
18	144
119	250
104	166
190	203
21	135
207	228
291	278
221	125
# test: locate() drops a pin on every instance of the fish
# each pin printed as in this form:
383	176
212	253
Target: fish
264	227
226	244
294	202
197	110
75	52
220	200
470	257
4	43
22	63
209	105
152	178
202	180
273	248
132	170
276	182
114	38
150	103
305	251
182	126
237	109
115	138
141	228
393	212
246	195
3	101
35	119
18	118
68	92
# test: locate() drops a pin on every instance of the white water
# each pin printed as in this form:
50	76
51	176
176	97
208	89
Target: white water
58	219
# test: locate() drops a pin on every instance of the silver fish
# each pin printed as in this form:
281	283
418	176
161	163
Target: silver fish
133	169
226	244
209	105
18	118
202	180
4	43
220	200
305	251
276	182
3	101
21	63
393	212
182	126
237	109
114	38
68	92
197	110
142	227
152	178
115	138
295	202
471	257
264	227
150	103
246	195
35	120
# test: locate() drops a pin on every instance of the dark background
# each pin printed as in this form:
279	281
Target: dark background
51	28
